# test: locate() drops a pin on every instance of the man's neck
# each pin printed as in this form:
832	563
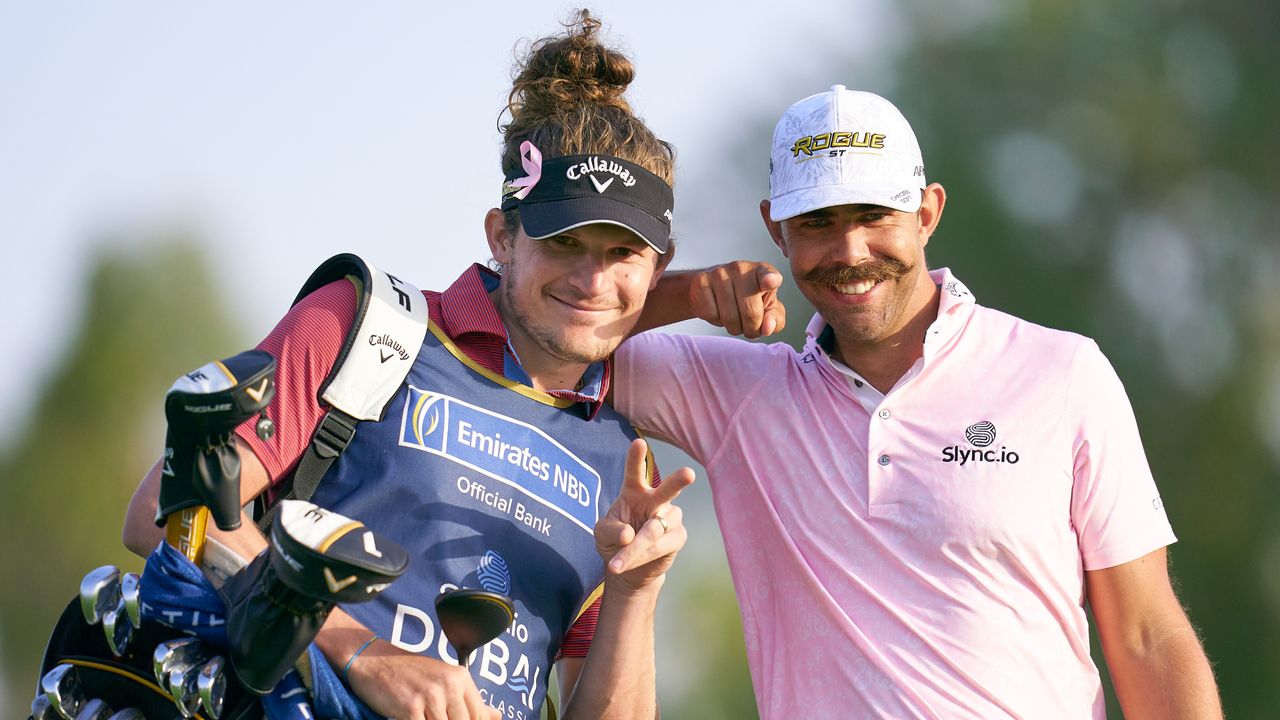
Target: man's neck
548	373
883	362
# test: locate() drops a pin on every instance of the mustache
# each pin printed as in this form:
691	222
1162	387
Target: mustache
876	270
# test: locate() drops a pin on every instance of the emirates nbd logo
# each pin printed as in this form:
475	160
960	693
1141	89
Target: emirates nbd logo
507	450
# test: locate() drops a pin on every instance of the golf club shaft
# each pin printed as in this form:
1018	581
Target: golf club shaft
185	531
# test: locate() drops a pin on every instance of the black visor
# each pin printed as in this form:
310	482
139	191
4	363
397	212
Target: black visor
576	190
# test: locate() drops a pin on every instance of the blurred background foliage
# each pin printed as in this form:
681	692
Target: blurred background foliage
150	314
1111	169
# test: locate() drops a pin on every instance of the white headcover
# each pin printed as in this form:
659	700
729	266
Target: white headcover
383	345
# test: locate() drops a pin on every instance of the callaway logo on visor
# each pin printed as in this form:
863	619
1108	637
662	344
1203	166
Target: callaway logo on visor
594	166
566	192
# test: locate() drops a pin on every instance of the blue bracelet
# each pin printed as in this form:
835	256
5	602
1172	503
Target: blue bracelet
355	655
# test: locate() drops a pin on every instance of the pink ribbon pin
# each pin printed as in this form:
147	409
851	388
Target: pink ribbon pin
531	159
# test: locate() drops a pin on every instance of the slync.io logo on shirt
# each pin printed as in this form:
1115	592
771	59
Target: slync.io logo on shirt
980	436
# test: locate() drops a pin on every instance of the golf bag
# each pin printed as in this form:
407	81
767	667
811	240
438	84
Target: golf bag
125	681
201	470
225	652
85	666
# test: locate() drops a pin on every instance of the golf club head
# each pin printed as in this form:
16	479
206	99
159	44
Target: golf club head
129	587
99	592
182	690
212	686
471	618
179	653
128	714
95	709
61	686
118	629
42	709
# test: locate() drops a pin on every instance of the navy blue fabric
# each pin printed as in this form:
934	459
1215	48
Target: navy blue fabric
330	698
486	488
176	593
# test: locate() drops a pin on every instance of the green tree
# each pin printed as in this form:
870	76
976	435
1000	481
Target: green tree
150	314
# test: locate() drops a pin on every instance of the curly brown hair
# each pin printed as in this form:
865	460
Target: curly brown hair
567	99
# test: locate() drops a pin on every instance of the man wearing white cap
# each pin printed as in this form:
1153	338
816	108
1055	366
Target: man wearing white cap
918	505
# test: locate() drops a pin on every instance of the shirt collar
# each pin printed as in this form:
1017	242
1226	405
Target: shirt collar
465	307
954	305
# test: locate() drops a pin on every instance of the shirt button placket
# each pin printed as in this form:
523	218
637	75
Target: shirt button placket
879	442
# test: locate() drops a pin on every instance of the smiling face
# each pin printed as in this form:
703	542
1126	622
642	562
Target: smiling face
570	299
862	266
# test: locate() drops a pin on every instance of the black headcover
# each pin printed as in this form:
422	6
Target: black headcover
276	605
201	466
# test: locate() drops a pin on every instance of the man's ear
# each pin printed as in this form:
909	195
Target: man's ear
774	228
664	262
495	231
931	203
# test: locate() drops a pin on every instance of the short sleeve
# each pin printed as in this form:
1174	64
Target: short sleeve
305	344
1115	506
687	389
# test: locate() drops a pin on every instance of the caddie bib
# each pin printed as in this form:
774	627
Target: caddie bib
488	484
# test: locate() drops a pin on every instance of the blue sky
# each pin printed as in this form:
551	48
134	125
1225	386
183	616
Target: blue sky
287	132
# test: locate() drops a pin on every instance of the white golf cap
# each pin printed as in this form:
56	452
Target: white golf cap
843	147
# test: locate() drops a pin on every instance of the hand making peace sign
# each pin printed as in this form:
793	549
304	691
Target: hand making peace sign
642	532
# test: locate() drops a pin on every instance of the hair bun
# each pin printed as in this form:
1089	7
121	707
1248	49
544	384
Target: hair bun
570	69
567	99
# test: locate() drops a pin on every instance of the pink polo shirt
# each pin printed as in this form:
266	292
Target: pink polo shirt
919	554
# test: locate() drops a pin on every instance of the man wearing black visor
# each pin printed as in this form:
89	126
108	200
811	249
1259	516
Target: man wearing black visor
497	463
578	190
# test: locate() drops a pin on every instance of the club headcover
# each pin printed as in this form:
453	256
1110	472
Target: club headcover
328	556
201	466
277	604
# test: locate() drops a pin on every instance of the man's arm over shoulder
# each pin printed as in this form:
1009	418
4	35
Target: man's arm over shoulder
740	296
686	389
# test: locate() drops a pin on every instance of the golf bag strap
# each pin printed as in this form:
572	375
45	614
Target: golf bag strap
375	358
332	436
